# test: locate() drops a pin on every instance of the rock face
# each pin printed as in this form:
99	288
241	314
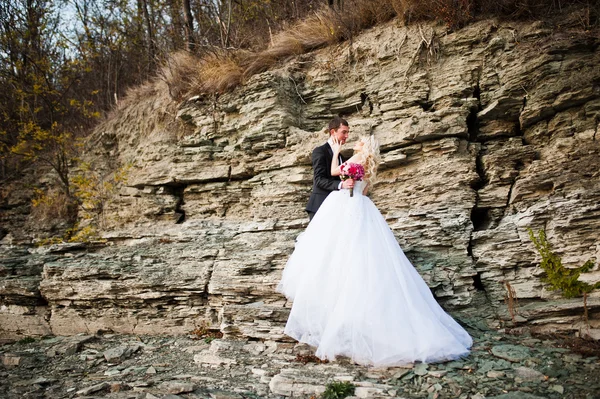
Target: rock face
485	132
23	311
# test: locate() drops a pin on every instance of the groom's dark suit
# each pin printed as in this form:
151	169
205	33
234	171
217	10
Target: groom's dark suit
323	182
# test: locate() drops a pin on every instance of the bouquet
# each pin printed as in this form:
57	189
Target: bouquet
354	171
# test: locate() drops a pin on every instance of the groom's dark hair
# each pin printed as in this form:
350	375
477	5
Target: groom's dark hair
336	122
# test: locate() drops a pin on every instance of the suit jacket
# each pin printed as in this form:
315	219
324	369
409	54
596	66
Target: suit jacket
323	182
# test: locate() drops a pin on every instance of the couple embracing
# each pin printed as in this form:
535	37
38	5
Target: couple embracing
354	292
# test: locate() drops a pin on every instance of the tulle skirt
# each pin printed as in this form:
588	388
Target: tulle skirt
356	294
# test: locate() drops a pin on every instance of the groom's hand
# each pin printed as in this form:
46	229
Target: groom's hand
348	183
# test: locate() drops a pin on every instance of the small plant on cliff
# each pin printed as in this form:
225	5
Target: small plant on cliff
87	234
91	193
338	390
204	332
557	275
52	207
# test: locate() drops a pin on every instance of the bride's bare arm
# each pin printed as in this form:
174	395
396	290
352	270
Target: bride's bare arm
366	189
335	167
354	159
335	163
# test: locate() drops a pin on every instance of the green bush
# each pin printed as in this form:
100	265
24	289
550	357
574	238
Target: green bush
557	276
338	390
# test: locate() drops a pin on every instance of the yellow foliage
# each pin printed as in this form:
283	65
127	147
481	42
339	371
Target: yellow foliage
88	233
94	191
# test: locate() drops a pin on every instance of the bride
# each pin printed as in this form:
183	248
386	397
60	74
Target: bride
355	293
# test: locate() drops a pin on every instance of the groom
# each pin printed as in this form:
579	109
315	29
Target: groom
323	182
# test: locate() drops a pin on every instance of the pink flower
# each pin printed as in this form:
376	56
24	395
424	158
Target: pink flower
352	170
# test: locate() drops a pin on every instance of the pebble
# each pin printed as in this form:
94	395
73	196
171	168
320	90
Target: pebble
93	388
558	388
176	387
401	373
495	374
512	353
438	373
111	372
421	369
528	374
11	360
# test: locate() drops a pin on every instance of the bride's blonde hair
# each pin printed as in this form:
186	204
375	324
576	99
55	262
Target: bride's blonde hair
370	157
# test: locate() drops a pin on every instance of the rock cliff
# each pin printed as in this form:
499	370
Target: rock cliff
485	132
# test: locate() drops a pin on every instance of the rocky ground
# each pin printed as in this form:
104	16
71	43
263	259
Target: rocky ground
128	366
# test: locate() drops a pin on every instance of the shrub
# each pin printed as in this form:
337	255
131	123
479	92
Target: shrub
204	332
26	340
338	390
220	72
180	72
557	275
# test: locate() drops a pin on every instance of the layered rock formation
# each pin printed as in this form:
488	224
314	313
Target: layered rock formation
485	132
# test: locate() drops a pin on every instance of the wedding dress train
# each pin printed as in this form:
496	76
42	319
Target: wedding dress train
356	294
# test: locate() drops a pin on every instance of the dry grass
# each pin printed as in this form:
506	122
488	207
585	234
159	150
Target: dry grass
221	71
454	13
322	28
151	89
180	72
254	63
147	112
146	109
216	72
318	30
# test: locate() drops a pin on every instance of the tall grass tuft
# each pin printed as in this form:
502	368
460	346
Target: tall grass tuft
180	72
220	72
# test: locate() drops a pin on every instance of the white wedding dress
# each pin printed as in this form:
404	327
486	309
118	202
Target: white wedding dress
356	294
